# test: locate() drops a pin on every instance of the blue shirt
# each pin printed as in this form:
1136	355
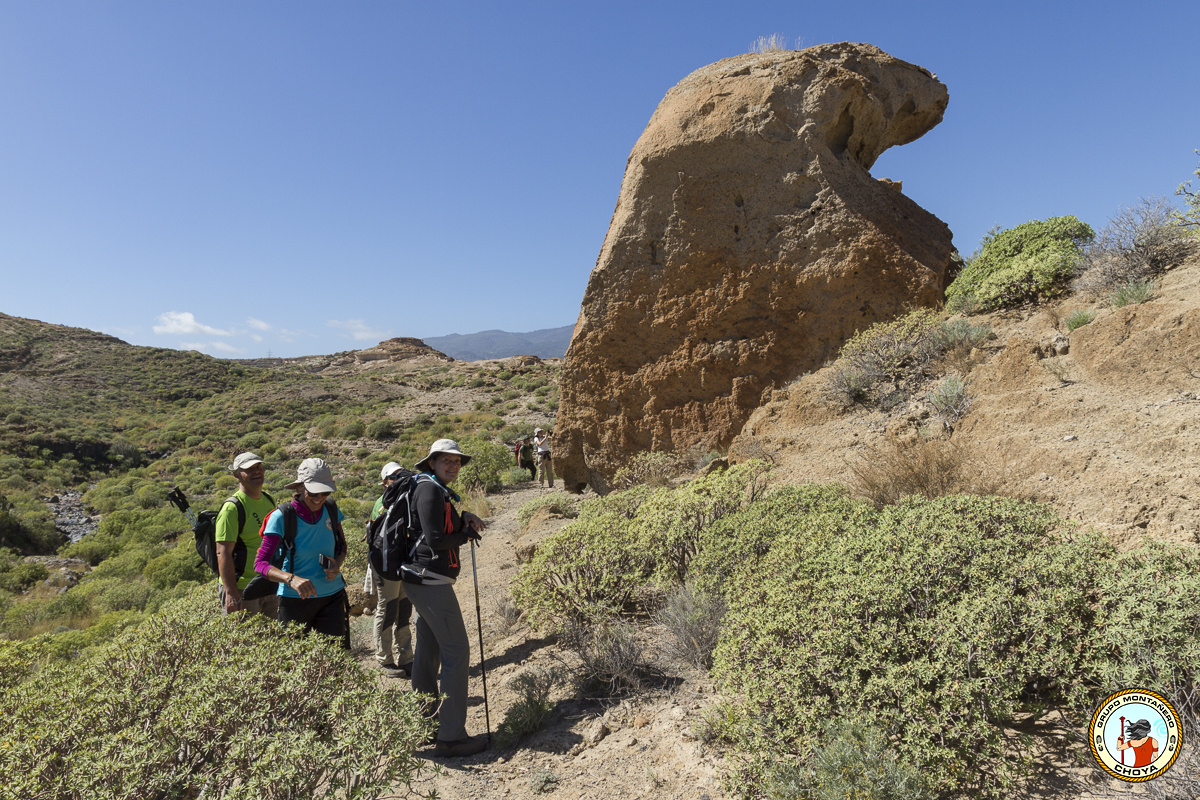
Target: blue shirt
311	541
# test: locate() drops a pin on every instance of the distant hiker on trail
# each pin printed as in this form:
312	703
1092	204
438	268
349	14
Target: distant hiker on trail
312	591
545	466
441	634
392	606
255	505
525	457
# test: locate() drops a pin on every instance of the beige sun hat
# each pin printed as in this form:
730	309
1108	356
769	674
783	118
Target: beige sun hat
245	461
442	446
389	469
314	475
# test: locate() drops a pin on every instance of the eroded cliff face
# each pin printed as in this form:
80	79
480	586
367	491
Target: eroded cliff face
748	242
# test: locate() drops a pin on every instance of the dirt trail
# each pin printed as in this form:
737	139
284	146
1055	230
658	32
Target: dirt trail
648	750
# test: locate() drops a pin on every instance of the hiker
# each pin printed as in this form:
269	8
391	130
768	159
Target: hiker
312	591
525	457
392	606
1137	738
545	466
441	633
256	504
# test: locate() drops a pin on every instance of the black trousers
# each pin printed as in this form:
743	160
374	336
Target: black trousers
325	615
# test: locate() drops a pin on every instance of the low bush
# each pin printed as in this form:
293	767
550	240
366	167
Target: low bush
852	760
532	707
651	469
691	623
936	467
670	524
1137	244
935	622
589	569
1078	318
1132	293
611	653
950	400
154	714
1034	260
488	465
561	504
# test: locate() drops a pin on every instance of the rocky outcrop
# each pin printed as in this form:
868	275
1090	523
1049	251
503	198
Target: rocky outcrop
748	242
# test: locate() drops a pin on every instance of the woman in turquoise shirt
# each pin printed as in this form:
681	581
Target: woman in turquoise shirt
311	592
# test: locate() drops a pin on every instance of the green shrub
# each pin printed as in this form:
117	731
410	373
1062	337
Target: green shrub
589	569
670	524
950	399
353	430
1079	318
155	714
935	622
17	576
1132	293
382	430
488	465
882	358
1031	261
1191	217
853	760
533	705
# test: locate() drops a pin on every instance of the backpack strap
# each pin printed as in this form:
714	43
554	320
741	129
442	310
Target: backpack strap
241	511
289	529
339	536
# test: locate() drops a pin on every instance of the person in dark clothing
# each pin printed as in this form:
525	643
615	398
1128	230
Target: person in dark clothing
525	457
443	650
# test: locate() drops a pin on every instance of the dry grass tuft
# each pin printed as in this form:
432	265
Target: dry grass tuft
936	467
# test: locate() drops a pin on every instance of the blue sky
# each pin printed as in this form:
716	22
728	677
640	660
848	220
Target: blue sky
299	177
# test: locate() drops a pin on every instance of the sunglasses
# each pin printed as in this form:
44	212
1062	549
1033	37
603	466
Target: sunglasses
318	494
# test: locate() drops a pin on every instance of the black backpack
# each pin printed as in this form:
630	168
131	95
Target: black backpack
389	536
205	531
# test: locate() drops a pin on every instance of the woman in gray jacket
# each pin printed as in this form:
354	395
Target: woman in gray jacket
442	644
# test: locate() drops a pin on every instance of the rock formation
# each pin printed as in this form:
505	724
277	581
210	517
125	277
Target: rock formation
748	242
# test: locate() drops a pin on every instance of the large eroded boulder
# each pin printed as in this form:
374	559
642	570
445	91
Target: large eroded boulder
748	242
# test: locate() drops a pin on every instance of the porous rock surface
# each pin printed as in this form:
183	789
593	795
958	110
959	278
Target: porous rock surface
748	242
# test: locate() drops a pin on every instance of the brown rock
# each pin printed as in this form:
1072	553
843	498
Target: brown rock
748	242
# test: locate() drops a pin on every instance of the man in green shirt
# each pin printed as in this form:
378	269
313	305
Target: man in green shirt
257	504
392	606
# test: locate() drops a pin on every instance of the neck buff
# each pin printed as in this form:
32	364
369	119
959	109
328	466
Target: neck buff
312	518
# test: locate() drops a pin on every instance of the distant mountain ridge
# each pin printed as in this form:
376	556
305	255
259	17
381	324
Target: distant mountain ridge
546	343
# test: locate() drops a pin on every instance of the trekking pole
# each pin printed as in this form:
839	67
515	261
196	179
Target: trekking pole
483	672
1121	740
177	499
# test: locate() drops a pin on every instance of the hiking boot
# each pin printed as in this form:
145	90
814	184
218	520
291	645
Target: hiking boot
392	671
463	747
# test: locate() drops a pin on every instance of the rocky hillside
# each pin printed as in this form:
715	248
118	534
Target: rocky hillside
1103	422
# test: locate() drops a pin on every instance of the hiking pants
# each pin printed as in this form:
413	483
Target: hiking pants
267	606
532	469
325	615
545	468
442	647
392	610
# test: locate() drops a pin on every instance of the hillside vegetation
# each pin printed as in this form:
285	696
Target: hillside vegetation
123	424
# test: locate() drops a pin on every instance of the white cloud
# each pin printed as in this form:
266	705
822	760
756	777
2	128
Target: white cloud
208	347
258	324
184	322
359	329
